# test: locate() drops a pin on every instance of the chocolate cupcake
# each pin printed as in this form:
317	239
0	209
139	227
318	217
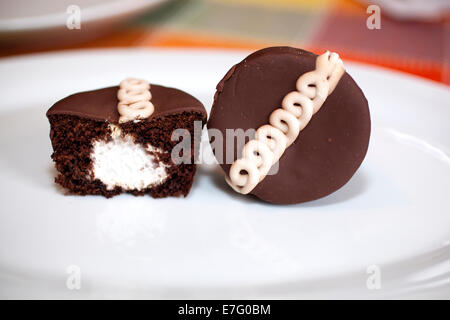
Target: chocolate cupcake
302	122
120	139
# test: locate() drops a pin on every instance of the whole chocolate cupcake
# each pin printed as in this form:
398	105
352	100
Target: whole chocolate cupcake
310	122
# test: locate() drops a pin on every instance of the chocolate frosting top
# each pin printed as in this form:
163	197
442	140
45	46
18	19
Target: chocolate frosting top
101	104
327	151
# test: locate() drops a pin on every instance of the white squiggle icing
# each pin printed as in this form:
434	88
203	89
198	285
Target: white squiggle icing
134	100
298	107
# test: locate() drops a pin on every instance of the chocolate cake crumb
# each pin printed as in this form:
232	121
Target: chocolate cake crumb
72	139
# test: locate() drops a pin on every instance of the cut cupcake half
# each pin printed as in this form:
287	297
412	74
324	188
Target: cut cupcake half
96	153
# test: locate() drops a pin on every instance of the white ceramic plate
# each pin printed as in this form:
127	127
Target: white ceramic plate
45	21
391	222
431	10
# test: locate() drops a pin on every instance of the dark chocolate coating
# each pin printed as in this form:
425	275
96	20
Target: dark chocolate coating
101	104
326	153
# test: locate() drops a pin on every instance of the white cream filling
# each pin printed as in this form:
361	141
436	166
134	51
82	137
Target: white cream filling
121	162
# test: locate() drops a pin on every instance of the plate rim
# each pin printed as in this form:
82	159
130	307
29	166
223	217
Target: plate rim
215	51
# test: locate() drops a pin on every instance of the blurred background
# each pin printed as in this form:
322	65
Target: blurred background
412	36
